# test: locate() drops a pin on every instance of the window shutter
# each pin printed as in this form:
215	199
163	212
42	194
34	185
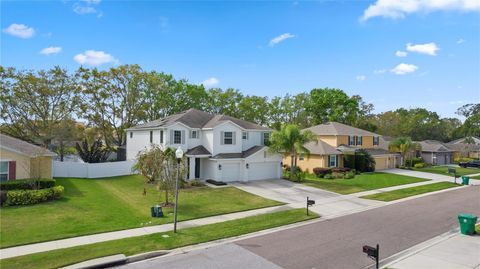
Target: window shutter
234	139
161	137
12	171
171	136
222	140
190	136
328	161
183	137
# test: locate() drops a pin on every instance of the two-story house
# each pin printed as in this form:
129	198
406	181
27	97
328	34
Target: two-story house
336	140
218	147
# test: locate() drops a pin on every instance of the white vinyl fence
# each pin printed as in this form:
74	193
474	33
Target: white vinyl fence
92	170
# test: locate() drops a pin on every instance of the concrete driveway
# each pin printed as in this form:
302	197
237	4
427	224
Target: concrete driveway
327	204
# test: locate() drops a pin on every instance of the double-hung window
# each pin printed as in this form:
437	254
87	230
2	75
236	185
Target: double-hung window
351	140
194	134
266	138
359	141
245	135
301	157
3	171
177	137
376	140
332	160
228	138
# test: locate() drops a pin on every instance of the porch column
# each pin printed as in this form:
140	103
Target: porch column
191	161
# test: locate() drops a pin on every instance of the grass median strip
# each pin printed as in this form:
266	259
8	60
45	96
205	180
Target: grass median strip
160	241
407	192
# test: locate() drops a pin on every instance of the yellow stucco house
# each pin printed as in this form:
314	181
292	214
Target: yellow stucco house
20	159
336	140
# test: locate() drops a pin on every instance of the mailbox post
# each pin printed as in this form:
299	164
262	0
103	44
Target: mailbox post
309	203
372	253
453	171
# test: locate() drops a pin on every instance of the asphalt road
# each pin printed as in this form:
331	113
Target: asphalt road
337	243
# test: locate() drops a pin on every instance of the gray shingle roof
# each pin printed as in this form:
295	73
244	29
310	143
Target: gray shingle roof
198	150
241	155
195	118
22	147
434	146
379	151
475	139
321	148
336	128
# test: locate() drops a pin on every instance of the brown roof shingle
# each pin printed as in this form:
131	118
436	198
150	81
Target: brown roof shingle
22	147
336	128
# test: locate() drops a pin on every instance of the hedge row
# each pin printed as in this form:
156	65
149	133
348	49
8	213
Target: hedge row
29	197
27	184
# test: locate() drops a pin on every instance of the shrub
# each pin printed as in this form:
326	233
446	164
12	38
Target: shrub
30	197
3	197
340	169
364	162
419	165
320	172
328	176
413	162
27	184
195	183
337	175
349	175
216	183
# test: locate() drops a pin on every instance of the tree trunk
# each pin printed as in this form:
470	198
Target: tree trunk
292	166
62	149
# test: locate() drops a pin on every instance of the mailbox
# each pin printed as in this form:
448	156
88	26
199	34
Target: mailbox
371	251
310	202
452	170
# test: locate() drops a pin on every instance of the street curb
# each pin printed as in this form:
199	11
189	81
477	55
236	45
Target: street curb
146	256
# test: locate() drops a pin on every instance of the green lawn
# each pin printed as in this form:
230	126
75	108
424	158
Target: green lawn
101	205
476	177
407	192
363	182
443	170
135	245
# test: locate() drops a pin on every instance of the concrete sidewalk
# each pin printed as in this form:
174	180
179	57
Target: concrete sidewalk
103	237
455	252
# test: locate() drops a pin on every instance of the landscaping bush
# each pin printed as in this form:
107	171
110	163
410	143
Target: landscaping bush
413	162
27	184
216	183
321	172
195	183
349	161
337	175
349	175
340	169
419	165
328	176
29	197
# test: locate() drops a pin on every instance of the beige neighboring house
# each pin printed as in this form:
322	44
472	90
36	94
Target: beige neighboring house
20	159
335	140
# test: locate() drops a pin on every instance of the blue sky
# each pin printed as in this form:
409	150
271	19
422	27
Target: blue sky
417	54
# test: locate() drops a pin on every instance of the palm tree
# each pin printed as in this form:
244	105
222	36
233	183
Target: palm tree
404	145
290	141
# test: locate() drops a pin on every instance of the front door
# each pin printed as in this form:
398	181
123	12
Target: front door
197	167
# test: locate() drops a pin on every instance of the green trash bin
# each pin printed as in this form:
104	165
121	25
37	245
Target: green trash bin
465	180
156	211
467	223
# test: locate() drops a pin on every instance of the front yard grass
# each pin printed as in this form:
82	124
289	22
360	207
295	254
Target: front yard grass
135	245
407	192
100	205
363	182
443	170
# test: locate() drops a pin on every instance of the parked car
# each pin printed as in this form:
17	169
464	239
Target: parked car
474	163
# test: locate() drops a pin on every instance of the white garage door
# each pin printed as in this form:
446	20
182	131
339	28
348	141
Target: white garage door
268	170
230	172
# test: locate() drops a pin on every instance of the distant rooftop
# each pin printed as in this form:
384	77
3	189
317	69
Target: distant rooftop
22	147
336	128
195	118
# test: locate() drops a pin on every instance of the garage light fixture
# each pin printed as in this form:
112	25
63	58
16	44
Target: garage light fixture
219	167
246	166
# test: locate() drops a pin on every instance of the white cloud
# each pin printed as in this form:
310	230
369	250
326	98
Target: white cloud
461	40
210	82
83	9
51	50
399	53
397	9
379	71
93	57
361	77
428	48
403	69
280	38
92	2
19	30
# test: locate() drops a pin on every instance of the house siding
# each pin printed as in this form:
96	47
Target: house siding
314	161
22	166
